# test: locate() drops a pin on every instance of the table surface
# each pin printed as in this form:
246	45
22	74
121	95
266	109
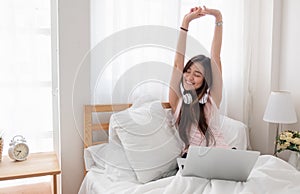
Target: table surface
37	164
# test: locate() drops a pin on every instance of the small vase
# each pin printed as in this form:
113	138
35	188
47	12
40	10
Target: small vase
294	160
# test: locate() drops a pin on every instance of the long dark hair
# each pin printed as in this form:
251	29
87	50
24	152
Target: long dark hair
194	112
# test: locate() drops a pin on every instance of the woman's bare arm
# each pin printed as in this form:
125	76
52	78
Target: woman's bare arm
174	89
216	65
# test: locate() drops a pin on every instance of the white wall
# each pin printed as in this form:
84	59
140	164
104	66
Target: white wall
277	66
290	59
74	43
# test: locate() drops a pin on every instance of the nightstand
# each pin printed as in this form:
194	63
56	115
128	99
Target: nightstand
37	164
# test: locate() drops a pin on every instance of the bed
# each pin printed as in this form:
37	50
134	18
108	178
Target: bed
135	159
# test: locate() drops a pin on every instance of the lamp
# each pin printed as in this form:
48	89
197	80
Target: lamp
280	110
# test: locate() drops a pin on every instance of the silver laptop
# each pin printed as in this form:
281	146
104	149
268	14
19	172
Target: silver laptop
218	163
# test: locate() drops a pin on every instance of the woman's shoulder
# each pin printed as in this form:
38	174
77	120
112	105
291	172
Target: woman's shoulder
210	107
211	102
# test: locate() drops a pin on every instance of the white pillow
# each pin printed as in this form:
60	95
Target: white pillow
112	159
91	159
150	144
235	133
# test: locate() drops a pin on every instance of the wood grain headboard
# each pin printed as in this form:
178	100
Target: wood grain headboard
89	126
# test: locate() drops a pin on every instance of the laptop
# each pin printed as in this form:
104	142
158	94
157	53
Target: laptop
218	163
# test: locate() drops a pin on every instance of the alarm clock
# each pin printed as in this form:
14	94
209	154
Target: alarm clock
18	148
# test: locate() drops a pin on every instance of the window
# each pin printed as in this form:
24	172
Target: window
26	73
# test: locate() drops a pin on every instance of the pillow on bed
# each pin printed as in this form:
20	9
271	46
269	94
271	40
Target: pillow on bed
235	133
150	144
111	159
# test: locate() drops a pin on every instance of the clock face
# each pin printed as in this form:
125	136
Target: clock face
21	151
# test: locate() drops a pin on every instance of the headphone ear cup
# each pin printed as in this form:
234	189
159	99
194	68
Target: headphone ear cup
187	98
204	98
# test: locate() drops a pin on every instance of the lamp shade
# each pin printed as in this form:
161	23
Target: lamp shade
280	108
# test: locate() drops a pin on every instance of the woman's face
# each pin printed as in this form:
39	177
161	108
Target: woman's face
193	77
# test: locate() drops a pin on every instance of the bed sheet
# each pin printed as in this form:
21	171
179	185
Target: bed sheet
269	175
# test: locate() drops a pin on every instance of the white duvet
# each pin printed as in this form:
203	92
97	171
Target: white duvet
269	175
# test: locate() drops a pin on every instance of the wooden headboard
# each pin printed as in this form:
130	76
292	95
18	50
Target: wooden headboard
89	126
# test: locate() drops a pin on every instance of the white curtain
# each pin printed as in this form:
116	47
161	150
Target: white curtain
25	73
138	64
110	20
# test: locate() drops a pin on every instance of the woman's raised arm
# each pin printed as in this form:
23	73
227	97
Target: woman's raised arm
174	89
216	66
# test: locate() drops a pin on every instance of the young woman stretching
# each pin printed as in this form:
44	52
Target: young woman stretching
196	88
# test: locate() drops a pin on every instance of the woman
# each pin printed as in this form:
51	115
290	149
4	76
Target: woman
196	89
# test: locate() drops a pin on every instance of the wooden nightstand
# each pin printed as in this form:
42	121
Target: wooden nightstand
37	164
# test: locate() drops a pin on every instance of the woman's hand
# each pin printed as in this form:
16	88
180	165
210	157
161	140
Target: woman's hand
213	12
194	13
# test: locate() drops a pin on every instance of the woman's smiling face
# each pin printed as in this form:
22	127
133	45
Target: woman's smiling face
193	77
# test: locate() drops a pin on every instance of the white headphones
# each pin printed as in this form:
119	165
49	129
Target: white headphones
188	99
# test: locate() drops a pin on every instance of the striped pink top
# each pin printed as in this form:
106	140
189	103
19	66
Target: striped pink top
212	113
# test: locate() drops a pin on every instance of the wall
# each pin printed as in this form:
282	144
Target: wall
74	42
290	59
277	67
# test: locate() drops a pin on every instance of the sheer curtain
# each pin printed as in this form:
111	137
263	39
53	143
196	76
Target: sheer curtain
25	73
110	17
135	68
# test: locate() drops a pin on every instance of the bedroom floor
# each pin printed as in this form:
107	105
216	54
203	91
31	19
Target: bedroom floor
38	188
